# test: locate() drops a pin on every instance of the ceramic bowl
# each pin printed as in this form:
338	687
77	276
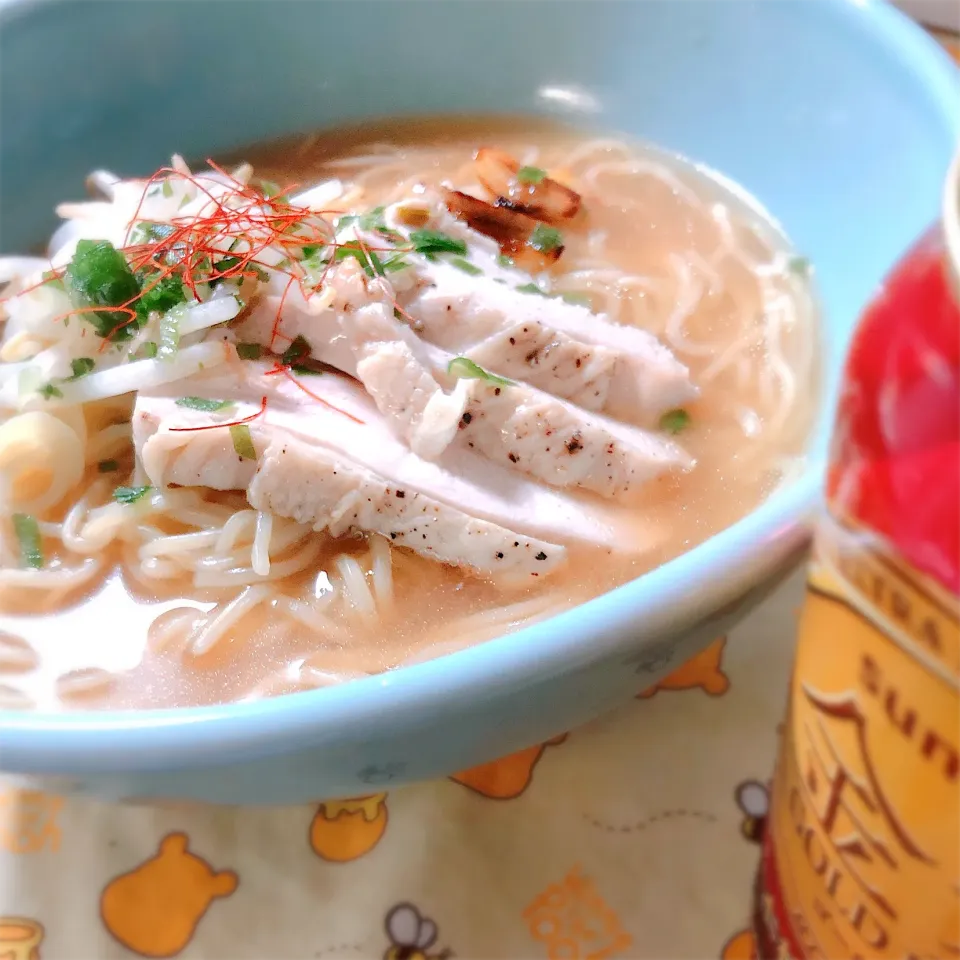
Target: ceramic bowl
839	116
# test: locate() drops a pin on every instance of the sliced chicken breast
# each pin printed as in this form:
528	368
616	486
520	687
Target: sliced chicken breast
460	312
508	422
315	453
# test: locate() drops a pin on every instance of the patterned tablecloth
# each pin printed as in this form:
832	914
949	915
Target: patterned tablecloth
635	836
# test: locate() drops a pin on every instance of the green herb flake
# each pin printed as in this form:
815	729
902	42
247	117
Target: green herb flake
272	191
99	276
504	261
146	231
545	239
249	351
800	266
395	263
531	288
53	279
466	266
243	442
431	242
81	366
167	189
146	351
48	391
130	494
298	350
673	421
108	466
531	175
160	293
308	250
345	221
353	249
576	299
203	404
463	368
240	270
27	531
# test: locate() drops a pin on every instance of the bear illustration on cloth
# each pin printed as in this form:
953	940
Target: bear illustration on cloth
154	909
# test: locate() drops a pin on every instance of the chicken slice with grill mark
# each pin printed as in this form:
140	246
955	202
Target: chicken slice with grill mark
551	361
511	423
329	454
458	311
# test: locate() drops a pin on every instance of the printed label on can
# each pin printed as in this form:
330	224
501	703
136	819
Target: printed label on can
863	847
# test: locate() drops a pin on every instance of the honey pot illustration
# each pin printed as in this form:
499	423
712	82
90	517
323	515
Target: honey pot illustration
741	946
344	830
154	909
411	935
508	777
20	938
704	671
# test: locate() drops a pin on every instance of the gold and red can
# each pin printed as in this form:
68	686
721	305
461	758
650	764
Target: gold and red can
861	856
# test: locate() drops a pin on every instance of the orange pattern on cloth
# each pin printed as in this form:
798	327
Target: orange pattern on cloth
154	909
20	938
741	946
344	830
508	777
572	920
28	822
704	672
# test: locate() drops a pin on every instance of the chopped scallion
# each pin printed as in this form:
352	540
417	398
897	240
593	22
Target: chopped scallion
130	494
146	232
531	288
463	368
146	351
673	421
27	531
167	189
48	391
545	239
431	242
395	263
504	261
298	350
99	276
203	404
531	175
52	279
800	266
243	442
160	293
272	191
249	351
466	266
370	263
81	366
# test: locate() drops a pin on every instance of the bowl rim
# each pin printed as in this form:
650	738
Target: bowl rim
187	738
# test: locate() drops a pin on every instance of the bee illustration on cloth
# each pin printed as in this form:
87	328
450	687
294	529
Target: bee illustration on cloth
753	799
411	935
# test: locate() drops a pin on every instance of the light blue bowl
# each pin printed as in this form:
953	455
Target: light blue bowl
839	116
